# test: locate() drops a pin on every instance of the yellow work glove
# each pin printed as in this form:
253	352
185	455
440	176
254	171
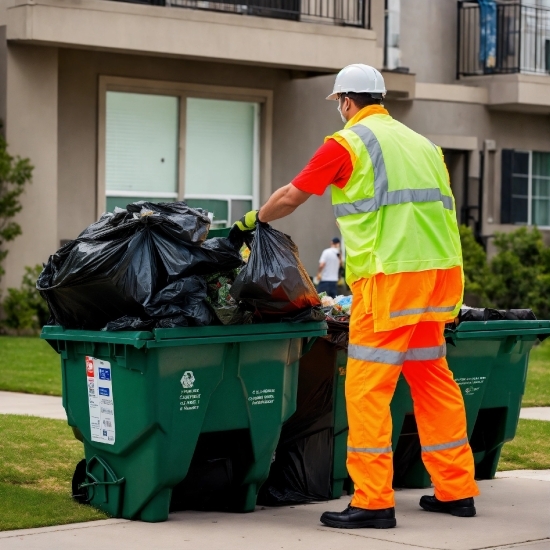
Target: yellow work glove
248	221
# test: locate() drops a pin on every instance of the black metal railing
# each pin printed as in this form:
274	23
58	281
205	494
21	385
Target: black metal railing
500	38
351	13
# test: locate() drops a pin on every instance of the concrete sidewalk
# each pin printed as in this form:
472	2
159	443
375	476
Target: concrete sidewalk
45	406
51	407
513	513
535	413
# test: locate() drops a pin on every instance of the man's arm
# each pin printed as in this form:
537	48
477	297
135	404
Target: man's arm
331	164
321	267
282	203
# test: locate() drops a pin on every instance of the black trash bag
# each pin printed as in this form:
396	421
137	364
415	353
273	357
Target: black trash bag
115	267
216	254
181	303
488	314
302	469
274	282
129	323
309	315
338	333
232	314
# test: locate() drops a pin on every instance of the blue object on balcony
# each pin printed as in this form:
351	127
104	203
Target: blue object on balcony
488	33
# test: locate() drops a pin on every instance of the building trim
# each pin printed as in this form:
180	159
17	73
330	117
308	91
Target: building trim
183	91
453	93
192	34
459	143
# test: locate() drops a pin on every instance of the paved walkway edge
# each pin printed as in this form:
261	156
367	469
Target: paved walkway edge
66	527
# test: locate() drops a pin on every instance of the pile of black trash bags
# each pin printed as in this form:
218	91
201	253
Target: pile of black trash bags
153	266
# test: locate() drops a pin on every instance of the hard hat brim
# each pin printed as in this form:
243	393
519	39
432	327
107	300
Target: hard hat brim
333	96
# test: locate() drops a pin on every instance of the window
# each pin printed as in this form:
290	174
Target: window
525	188
392	52
216	166
141	150
221	157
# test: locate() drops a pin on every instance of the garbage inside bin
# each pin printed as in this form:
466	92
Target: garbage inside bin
227	310
489	314
274	282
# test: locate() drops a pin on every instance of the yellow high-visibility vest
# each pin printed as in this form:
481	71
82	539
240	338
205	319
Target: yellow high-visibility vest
397	212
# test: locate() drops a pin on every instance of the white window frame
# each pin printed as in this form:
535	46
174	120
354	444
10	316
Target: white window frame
530	187
262	134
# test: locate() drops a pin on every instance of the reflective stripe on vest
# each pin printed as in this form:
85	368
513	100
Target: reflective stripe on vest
383	197
419	310
443	446
374	450
397	358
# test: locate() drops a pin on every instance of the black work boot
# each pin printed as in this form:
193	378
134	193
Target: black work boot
463	507
355	518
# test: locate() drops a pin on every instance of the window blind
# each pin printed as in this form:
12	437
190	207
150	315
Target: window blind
141	145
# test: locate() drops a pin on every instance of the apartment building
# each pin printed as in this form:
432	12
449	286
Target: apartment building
220	103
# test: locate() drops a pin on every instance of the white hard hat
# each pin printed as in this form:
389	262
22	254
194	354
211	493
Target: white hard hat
361	79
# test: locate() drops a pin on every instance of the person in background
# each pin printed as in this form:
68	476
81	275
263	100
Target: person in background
329	269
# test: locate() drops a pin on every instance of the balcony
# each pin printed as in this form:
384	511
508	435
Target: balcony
347	13
505	47
308	36
503	39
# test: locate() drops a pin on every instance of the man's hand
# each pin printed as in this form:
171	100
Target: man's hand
248	221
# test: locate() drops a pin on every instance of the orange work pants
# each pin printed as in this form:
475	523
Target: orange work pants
375	361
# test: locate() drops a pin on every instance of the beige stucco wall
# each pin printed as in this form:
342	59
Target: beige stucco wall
428	39
31	131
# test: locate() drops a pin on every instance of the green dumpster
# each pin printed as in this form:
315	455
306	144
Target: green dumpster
489	362
140	400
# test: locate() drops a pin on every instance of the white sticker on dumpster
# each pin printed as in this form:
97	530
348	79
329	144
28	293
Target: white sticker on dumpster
471	385
265	396
190	397
100	400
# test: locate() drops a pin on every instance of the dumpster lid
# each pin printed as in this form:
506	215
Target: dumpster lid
495	329
189	335
294	330
135	338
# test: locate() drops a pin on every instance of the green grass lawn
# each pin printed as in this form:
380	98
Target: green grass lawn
29	365
537	390
37	460
530	449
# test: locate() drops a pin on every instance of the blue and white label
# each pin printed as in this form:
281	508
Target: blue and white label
104	374
100	400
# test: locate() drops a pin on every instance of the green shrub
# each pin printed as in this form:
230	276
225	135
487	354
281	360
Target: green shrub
517	277
15	173
24	308
477	274
521	272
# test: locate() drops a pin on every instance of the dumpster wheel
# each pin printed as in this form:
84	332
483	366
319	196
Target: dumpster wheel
80	494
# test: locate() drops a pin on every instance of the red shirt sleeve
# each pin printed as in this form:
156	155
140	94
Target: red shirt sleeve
331	164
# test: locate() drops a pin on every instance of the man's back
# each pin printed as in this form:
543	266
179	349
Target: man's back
330	257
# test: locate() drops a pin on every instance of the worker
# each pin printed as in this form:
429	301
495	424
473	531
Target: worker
329	269
393	203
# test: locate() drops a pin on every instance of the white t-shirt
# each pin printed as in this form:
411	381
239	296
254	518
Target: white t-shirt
330	258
